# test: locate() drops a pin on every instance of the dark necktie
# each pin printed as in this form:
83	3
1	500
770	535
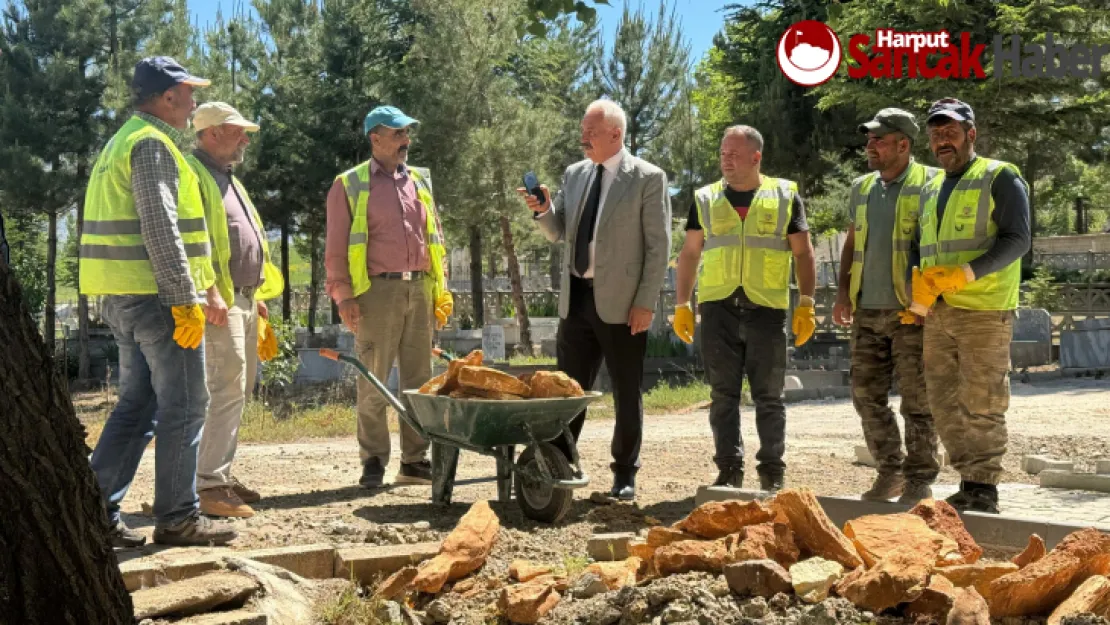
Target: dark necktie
586	225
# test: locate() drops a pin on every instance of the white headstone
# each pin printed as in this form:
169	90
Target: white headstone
493	343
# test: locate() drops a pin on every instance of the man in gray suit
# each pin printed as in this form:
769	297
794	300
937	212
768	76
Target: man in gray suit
614	213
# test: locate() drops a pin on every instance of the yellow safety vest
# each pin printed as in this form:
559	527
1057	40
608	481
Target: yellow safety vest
216	216
751	252
356	182
113	258
905	226
967	232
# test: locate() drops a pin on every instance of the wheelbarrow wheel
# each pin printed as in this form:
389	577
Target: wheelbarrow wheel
540	501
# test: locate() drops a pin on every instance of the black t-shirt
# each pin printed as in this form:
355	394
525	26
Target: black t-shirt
742	200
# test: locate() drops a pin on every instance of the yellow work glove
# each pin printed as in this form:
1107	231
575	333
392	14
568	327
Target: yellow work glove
804	321
445	305
923	293
684	323
948	278
188	321
907	317
267	340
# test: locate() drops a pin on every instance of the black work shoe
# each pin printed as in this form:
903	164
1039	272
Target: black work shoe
415	473
771	482
977	497
124	537
373	473
624	487
732	477
195	531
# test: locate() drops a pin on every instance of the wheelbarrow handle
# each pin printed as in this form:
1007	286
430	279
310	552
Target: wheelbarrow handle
442	355
403	414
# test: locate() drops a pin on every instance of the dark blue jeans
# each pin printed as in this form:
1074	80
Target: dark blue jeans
739	338
162	394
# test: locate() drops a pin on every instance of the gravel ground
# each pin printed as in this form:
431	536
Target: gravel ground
310	494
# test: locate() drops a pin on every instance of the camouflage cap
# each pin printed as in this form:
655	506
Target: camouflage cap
952	109
891	120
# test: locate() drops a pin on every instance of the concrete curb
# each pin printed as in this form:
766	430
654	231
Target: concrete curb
1075	481
987	529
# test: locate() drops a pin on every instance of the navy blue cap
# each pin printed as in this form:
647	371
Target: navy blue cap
156	74
952	109
388	116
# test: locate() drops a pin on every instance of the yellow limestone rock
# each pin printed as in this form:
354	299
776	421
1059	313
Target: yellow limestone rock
878	535
813	531
717	519
1043	585
463	551
814	578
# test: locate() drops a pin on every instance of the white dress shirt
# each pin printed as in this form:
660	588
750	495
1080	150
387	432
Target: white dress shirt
611	165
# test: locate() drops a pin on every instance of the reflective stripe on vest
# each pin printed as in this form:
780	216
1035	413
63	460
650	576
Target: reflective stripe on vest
753	252
966	232
907	210
356	184
112	254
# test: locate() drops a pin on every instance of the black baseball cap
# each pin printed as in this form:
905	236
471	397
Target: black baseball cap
156	74
952	109
891	120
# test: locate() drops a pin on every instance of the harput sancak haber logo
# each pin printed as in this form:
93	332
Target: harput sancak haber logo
809	53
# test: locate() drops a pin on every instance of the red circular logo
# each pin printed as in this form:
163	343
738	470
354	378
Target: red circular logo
808	53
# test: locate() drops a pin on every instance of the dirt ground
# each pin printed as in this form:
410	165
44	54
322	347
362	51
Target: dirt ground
311	495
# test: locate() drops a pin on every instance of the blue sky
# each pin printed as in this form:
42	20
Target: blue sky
701	19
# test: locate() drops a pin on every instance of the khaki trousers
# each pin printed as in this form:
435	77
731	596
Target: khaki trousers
967	379
231	361
395	325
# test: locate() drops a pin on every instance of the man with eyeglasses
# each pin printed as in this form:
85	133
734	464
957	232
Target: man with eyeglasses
872	298
974	229
742	233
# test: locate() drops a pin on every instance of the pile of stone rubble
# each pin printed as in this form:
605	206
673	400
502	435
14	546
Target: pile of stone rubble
777	561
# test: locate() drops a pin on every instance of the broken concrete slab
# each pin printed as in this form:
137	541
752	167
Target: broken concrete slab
370	564
987	529
311	561
234	617
1075	481
193	596
1034	464
609	547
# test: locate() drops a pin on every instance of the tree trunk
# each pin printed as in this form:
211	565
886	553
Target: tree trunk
517	285
82	300
56	559
286	294
477	293
51	281
314	281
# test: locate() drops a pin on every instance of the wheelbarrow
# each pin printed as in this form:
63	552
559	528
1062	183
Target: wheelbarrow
543	477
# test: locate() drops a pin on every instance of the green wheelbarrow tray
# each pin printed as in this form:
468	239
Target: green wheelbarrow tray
494	422
544	476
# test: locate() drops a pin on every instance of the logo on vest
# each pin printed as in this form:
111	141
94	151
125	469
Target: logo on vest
809	53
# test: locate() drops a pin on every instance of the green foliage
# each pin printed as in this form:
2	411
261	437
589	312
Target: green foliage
663	345
67	267
26	234
1041	291
280	370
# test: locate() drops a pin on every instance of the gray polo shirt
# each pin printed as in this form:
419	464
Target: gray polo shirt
245	264
877	287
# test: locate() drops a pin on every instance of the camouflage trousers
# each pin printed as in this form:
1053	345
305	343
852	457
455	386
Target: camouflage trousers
884	350
967	367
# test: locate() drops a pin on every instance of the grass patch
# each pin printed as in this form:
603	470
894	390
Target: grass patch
348	608
325	421
667	398
527	361
573	565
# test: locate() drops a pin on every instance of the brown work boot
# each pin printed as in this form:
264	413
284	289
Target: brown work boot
887	486
246	494
915	491
222	501
195	531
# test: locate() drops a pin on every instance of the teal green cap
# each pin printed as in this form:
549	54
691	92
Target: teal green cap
388	116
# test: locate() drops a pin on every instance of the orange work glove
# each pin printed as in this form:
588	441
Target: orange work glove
684	323
805	321
188	321
948	278
267	340
907	317
445	305
923	293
